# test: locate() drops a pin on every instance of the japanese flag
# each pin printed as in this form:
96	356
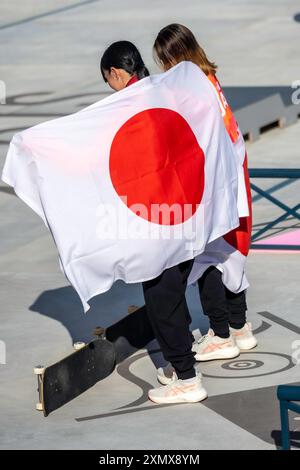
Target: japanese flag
133	184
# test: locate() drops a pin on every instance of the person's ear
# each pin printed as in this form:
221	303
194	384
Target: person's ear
114	73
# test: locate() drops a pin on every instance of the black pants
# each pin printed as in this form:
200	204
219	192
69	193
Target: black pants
170	318
222	306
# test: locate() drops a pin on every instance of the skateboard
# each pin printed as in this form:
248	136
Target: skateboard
89	363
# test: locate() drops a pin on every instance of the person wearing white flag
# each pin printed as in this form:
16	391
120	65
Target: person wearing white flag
220	269
121	66
131	186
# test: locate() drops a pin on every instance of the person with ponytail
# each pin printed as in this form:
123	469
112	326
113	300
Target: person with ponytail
121	66
229	331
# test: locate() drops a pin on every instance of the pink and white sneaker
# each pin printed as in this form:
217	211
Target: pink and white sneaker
179	391
244	337
210	347
167	374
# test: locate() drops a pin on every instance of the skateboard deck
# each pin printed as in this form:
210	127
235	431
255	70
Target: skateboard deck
70	377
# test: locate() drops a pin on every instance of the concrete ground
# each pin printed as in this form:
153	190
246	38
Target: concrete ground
49	63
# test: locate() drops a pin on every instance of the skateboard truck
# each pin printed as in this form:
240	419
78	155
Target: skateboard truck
38	371
99	331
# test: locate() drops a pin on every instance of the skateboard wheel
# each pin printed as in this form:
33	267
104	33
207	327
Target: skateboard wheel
132	308
99	331
78	345
39	407
38	370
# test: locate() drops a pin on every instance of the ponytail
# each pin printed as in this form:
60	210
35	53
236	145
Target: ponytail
123	55
142	72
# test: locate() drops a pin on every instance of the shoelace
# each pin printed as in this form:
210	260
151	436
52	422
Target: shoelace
203	338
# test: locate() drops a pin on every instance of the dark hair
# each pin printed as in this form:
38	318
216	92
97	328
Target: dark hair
176	43
123	55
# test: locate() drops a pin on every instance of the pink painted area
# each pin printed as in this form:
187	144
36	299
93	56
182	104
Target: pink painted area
276	252
289	238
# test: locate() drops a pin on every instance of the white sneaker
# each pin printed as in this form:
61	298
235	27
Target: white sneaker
210	347
244	337
179	391
166	375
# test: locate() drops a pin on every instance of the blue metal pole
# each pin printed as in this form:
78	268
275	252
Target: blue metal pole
285	431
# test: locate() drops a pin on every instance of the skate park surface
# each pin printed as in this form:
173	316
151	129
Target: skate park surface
50	66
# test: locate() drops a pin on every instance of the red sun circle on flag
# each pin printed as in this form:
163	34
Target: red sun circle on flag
157	166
